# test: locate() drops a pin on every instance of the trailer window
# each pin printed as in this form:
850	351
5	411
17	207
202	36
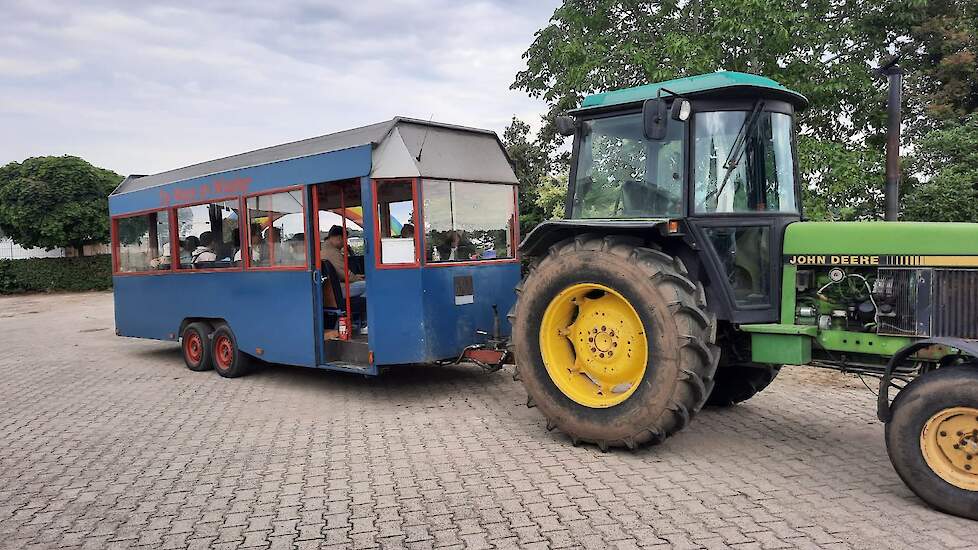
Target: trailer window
277	227
396	222
209	235
466	221
143	242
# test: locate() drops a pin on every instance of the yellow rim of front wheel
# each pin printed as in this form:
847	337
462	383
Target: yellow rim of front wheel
593	345
949	442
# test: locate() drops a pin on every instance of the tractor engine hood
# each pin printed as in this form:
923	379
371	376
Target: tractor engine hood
908	243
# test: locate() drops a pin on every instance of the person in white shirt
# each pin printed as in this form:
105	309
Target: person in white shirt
255	232
205	251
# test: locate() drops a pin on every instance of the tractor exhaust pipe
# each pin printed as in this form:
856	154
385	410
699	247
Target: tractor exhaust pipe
891	191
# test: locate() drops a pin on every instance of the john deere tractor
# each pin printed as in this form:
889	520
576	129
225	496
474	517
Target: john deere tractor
683	276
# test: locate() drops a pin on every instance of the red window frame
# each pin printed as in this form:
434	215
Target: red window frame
114	239
246	258
176	238
515	234
375	203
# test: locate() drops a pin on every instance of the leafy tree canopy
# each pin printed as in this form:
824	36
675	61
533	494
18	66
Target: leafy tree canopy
52	202
949	158
826	49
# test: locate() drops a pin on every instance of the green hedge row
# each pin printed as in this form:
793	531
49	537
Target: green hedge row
50	274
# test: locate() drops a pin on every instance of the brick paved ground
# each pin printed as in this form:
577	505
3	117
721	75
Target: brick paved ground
107	442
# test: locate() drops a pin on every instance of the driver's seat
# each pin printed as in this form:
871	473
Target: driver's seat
358	304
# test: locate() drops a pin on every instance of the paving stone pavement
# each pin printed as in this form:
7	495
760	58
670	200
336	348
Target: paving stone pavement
108	442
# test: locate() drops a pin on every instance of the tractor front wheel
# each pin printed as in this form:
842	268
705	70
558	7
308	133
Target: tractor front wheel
612	341
932	439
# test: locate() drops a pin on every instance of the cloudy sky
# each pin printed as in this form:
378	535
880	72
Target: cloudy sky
142	87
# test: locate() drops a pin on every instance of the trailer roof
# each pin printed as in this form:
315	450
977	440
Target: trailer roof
402	147
703	84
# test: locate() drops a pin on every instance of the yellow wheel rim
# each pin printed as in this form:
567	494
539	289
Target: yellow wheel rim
949	442
593	345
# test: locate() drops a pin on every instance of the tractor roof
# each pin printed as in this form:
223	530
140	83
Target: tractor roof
723	82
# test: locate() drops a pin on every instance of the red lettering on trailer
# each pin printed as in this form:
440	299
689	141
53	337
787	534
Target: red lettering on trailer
215	189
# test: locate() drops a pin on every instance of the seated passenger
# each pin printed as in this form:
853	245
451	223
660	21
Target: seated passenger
453	249
296	251
407	231
187	248
205	252
332	252
255	238
163	260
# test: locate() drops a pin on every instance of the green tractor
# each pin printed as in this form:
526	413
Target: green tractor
683	276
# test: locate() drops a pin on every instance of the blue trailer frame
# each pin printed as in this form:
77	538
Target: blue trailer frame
276	313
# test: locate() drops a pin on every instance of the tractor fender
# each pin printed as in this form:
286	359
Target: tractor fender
538	241
965	347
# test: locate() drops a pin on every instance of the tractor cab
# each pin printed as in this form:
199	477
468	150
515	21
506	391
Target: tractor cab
709	160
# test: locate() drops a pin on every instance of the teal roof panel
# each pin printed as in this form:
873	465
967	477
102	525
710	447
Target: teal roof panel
692	86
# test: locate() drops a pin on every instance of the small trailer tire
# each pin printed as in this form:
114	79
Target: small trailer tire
196	345
229	361
932	439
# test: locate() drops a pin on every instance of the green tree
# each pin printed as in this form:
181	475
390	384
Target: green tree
531	162
947	160
552	195
52	202
826	49
947	33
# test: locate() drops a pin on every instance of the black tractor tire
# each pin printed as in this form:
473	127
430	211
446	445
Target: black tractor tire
195	341
682	355
733	384
229	361
929	394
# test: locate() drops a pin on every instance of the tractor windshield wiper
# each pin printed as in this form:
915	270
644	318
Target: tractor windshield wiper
738	148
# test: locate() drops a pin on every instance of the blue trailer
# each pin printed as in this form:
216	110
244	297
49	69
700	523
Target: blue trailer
390	244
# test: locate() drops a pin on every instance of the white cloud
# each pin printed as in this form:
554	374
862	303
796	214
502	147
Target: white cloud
145	89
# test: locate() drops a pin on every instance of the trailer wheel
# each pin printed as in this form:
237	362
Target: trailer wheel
195	341
736	383
229	361
612	341
932	439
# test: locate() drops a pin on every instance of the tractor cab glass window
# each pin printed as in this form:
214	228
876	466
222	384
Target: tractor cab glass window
209	235
621	174
396	222
743	162
277	230
143	242
468	221
745	257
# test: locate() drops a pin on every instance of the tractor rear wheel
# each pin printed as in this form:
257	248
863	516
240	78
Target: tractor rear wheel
612	341
735	383
932	438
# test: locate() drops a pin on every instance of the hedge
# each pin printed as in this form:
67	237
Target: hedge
51	274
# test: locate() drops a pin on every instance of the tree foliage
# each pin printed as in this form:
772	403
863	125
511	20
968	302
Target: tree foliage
948	157
826	49
531	163
52	202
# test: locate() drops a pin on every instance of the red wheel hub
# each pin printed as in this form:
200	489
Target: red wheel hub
193	347
223	352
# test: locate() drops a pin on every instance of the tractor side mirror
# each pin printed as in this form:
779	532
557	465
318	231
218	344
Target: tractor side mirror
655	118
566	126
